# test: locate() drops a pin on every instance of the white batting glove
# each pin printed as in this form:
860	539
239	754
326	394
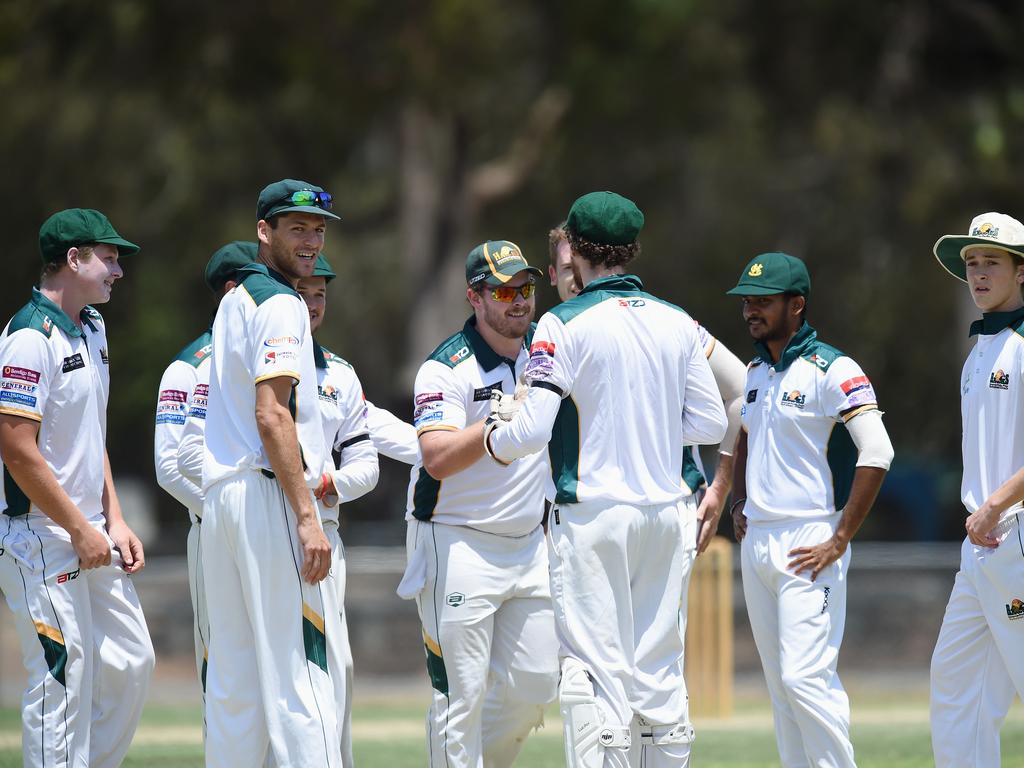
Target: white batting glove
503	406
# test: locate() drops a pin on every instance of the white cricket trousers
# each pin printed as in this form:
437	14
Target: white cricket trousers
798	627
339	650
268	678
84	643
489	635
196	591
617	578
976	667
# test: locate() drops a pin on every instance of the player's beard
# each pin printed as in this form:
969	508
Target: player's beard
509	327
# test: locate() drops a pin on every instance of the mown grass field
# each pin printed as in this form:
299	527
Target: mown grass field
888	732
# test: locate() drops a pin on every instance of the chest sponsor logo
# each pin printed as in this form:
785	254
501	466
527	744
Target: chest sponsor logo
462	354
999	380
632	303
428	397
69	576
752	396
281	341
25	374
328	394
103	356
1015	609
484	393
455	599
794	399
73	363
17	398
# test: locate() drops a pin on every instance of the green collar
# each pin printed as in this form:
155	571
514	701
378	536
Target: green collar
992	323
318	356
259	268
57	315
798	345
486	356
614	283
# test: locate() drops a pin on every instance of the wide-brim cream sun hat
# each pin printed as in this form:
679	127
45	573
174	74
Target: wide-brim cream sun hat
991	230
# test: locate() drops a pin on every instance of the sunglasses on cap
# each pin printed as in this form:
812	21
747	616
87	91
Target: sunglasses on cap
309	197
507	293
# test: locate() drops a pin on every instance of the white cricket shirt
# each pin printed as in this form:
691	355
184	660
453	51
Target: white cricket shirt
261	332
184	388
56	373
992	408
619	383
800	458
452	391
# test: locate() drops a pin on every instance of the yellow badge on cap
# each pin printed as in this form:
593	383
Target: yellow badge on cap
985	230
755	270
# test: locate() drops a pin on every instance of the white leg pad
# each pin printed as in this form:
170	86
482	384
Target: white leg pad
665	735
587	735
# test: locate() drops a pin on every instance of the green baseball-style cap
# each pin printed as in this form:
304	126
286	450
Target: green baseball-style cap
226	261
323	269
496	262
988	230
605	218
293	196
771	273
76	227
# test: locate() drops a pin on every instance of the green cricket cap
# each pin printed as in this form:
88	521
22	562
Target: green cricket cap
75	227
605	218
226	261
323	268
496	262
771	273
293	196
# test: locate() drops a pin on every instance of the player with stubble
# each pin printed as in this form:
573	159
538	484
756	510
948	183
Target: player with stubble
264	550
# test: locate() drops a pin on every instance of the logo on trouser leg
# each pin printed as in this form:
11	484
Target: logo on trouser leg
824	605
68	576
455	599
1015	609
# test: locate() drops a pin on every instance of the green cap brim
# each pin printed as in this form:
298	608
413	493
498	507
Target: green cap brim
746	289
949	250
124	248
303	209
500	279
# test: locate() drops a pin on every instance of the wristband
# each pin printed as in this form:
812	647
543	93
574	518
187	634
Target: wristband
735	504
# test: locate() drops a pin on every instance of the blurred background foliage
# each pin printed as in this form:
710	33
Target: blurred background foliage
852	135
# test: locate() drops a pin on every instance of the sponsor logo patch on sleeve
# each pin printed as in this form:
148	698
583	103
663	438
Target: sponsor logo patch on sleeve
17	398
17	372
428	397
858	391
281	341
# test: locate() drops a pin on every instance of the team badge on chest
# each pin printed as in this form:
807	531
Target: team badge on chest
999	380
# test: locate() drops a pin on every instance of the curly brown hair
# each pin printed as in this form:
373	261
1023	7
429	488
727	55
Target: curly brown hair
599	254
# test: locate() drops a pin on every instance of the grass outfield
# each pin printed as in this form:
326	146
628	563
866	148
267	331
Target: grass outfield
389	734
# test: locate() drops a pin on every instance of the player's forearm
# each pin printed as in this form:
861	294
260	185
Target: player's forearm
170	478
391	436
739	468
111	503
1009	493
723	473
358	472
530	431
281	443
866	483
30	471
446	452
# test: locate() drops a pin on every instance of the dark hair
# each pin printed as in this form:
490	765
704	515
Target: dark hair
51	268
599	254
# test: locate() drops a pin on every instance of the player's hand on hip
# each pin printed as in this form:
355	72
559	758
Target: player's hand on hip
129	545
91	546
316	551
739	520
817	558
979	526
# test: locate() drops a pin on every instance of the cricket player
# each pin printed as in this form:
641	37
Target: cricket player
350	472
184	389
975	668
618	384
66	554
264	551
477	561
809	462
